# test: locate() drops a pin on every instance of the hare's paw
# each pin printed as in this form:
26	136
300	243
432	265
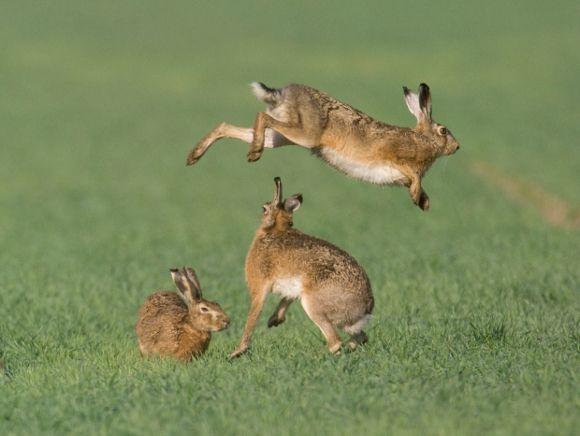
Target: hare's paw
423	201
193	157
254	154
275	321
335	349
352	345
238	352
415	196
198	151
357	340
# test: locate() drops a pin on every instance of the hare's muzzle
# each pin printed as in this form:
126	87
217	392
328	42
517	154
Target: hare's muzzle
452	147
224	323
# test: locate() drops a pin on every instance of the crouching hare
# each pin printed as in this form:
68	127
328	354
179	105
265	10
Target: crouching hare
179	324
332	287
344	137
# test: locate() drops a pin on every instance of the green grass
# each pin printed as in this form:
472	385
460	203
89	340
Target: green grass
476	326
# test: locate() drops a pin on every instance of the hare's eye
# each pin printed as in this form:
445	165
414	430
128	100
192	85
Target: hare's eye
442	131
204	309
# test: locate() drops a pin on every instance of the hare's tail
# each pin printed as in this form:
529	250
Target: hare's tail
270	96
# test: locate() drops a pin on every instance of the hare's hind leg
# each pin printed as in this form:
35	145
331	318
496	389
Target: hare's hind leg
357	335
279	315
332	339
272	139
223	130
291	131
357	339
326	327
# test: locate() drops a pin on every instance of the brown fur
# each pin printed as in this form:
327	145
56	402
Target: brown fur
335	290
179	325
301	115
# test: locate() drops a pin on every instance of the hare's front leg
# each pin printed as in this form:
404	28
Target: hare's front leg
419	197
256	306
279	315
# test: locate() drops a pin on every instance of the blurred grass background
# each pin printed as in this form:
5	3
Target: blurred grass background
476	321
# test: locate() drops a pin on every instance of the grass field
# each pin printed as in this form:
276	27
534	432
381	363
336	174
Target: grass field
476	327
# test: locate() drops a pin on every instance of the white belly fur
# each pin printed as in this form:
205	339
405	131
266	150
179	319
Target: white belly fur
288	287
377	174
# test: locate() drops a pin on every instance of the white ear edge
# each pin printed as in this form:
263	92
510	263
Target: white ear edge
412	101
191	276
175	275
292	204
183	290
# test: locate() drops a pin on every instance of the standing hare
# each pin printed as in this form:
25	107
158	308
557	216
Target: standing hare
346	138
333	288
179	325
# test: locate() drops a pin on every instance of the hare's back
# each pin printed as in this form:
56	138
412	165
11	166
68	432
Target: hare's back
160	316
163	303
321	262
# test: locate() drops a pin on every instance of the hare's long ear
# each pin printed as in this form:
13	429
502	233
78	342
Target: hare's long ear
425	100
292	204
193	282
183	288
412	101
277	191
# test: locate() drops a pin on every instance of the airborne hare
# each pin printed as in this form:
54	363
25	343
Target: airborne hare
344	137
332	287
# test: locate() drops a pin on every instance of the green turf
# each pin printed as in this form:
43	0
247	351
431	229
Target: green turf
476	326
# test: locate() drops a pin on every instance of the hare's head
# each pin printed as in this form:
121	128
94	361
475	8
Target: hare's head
278	212
420	107
204	315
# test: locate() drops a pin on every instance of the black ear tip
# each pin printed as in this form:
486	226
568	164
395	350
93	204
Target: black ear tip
299	197
277	180
405	90
424	85
173	270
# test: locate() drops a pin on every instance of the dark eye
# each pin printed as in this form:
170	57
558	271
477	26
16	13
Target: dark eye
442	131
204	309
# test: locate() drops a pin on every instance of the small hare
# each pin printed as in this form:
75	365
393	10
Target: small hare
179	324
333	288
344	137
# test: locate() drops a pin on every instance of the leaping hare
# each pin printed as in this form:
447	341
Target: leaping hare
179	325
333	288
346	138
